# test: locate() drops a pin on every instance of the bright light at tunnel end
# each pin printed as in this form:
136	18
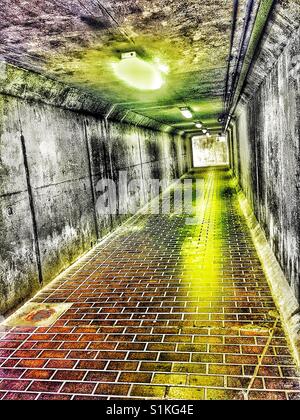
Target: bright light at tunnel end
189	190
140	74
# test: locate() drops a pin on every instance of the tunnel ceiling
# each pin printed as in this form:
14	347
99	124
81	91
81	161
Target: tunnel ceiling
76	41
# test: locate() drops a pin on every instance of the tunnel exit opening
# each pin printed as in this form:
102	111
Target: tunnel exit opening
210	151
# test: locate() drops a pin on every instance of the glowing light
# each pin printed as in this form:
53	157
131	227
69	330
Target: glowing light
208	135
164	68
222	139
186	112
204	131
199	125
138	73
203	247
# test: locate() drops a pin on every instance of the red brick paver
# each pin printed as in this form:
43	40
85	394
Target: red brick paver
159	310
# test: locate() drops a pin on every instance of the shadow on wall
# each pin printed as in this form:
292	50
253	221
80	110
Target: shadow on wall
210	151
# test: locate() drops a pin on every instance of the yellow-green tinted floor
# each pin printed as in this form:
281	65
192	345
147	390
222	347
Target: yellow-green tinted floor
159	310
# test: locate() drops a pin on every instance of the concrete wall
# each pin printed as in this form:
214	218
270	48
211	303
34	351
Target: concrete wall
51	160
265	155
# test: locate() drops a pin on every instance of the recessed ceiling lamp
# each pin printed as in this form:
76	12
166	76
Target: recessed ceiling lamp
199	124
222	138
186	112
137	73
204	131
164	68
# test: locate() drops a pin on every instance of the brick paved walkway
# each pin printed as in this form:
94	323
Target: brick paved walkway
159	310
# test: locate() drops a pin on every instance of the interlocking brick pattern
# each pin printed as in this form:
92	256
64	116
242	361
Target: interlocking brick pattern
160	310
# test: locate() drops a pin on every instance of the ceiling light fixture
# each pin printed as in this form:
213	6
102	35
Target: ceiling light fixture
137	73
204	131
199	124
221	118
164	68
186	112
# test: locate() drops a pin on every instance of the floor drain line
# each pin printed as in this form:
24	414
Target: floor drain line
261	358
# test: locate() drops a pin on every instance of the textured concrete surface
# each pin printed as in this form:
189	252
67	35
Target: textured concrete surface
266	156
51	162
36	315
160	310
282	24
19	277
76	42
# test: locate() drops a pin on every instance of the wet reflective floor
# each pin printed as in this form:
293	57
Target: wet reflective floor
162	310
